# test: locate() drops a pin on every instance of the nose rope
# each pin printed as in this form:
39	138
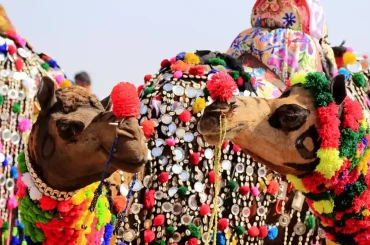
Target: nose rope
214	218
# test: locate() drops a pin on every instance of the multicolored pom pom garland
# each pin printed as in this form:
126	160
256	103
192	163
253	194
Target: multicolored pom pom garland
338	189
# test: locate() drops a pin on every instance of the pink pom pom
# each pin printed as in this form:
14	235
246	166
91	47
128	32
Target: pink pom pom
170	142
24	124
21	41
125	100
173	60
59	79
255	191
12	202
349	49
221	86
236	148
177	74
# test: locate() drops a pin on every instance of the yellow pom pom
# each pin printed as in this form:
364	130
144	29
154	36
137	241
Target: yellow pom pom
363	164
297	183
191	59
329	162
298	78
328	242
366	212
349	58
65	83
78	198
323	206
199	105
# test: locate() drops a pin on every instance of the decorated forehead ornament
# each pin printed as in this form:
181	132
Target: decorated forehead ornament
84	216
175	200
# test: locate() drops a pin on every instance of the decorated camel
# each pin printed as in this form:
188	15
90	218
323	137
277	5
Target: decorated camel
314	133
64	190
176	198
21	69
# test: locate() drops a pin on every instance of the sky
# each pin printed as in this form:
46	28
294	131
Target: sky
120	40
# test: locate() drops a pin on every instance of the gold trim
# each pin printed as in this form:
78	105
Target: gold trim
43	187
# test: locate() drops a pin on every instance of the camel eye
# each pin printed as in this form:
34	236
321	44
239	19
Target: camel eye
289	117
68	130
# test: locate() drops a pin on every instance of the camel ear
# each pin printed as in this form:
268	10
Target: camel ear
107	103
46	93
338	88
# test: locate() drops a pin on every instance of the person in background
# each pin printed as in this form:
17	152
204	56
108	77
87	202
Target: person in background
83	79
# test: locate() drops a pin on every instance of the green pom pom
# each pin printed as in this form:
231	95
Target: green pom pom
310	222
5	225
15	231
232	185
160	242
234	74
349	140
22	163
170	230
240	230
24	243
246	77
148	90
113	220
16	108
1	99
323	99
46	66
359	80
194	231
182	191
216	62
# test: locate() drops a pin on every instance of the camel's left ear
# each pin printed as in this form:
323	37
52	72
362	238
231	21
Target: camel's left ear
338	88
46	93
107	103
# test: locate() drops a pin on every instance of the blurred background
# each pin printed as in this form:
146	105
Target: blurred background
118	40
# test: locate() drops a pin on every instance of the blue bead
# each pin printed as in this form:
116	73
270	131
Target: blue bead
3	48
5	163
53	64
14	172
272	233
180	56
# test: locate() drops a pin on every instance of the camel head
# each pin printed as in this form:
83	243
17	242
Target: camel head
281	133
72	138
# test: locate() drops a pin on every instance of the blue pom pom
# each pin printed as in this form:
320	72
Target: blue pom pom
3	48
21	226
15	240
107	234
221	240
5	163
180	56
14	172
344	72
53	64
273	232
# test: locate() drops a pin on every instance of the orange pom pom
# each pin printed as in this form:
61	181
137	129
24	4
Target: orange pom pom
119	203
148	128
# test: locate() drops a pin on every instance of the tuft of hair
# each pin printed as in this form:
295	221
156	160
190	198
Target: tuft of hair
69	99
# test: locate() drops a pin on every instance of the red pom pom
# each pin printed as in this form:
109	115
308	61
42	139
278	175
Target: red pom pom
185	116
119	203
158	220
147	78
196	70
125	100
165	63
193	241
240	81
225	145
221	86
194	158
222	224
148	128
12	49
149	236
18	64
211	176
47	203
236	148
273	187
204	210
244	190
21	188
65	206
139	89
149	199
163	177
253	231
263	232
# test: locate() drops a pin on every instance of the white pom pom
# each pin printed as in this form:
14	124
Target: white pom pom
27	180
35	194
28	83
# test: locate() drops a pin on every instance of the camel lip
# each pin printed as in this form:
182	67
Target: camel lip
120	164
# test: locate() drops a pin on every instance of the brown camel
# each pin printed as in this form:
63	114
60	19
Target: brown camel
67	150
301	135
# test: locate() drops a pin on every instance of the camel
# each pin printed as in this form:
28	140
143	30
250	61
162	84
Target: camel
68	148
305	133
21	70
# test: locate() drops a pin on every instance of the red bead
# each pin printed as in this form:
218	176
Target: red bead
194	158
165	63
147	78
18	64
263	232
12	49
222	224
204	210
253	231
244	190
149	236
225	144
236	148
211	176
159	220
163	177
